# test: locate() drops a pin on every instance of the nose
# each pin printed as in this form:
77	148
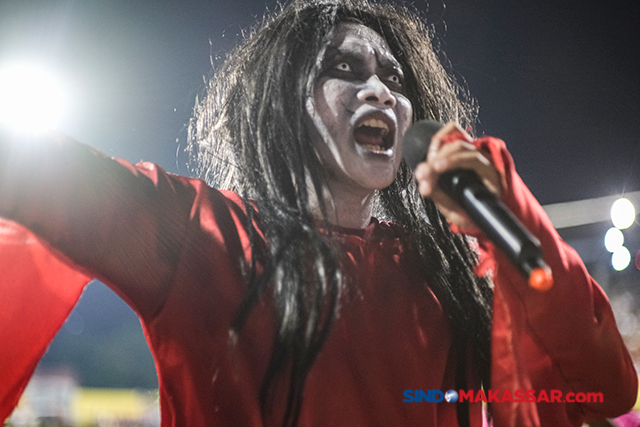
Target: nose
376	92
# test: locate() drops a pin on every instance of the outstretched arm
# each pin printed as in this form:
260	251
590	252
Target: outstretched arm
123	224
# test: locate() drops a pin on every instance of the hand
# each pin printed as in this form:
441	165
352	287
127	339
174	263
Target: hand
452	148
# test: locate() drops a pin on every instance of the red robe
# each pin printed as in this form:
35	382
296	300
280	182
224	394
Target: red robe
170	246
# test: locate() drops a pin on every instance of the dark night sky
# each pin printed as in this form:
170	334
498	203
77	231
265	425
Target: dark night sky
558	80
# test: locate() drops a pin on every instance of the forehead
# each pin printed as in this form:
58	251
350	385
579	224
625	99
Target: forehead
359	39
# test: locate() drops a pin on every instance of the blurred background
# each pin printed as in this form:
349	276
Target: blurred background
557	80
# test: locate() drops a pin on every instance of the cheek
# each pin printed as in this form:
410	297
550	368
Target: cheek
320	112
324	116
329	113
404	113
333	98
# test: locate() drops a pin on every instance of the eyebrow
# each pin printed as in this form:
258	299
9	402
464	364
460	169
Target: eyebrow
389	63
333	52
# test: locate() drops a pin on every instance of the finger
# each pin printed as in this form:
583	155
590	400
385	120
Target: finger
427	186
459	155
435	145
452	131
454	146
424	171
458	218
475	161
463	155
452	212
439	159
449	132
439	155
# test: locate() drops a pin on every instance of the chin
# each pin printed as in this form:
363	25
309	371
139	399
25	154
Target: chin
378	183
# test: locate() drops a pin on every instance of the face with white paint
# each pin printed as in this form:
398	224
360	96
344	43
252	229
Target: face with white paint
358	110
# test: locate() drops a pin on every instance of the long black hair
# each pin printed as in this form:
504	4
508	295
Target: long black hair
249	135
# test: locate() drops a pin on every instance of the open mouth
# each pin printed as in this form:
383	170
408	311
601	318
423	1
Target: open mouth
374	135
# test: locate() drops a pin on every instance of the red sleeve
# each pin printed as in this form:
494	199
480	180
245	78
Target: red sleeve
121	223
124	224
563	339
37	292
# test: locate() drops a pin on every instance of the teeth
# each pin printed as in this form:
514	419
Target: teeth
374	148
375	123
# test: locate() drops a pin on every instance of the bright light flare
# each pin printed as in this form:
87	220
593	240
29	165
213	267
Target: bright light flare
623	214
613	239
621	258
30	100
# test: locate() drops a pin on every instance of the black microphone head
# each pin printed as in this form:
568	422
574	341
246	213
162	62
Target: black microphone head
417	140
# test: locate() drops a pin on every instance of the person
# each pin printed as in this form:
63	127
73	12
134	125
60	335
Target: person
312	283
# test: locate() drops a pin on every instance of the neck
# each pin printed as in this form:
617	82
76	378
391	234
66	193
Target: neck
346	207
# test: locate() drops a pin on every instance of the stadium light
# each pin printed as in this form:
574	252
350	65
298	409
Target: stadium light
623	213
613	239
620	258
30	100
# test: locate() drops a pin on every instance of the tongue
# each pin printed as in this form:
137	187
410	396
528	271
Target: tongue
365	135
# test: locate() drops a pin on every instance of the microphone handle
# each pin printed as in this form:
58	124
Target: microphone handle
492	217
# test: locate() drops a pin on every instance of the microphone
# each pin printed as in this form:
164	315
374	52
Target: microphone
487	211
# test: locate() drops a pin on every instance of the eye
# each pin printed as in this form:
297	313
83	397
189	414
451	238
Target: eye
343	66
394	78
395	82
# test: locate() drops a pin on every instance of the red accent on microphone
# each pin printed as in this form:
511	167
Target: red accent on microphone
541	279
